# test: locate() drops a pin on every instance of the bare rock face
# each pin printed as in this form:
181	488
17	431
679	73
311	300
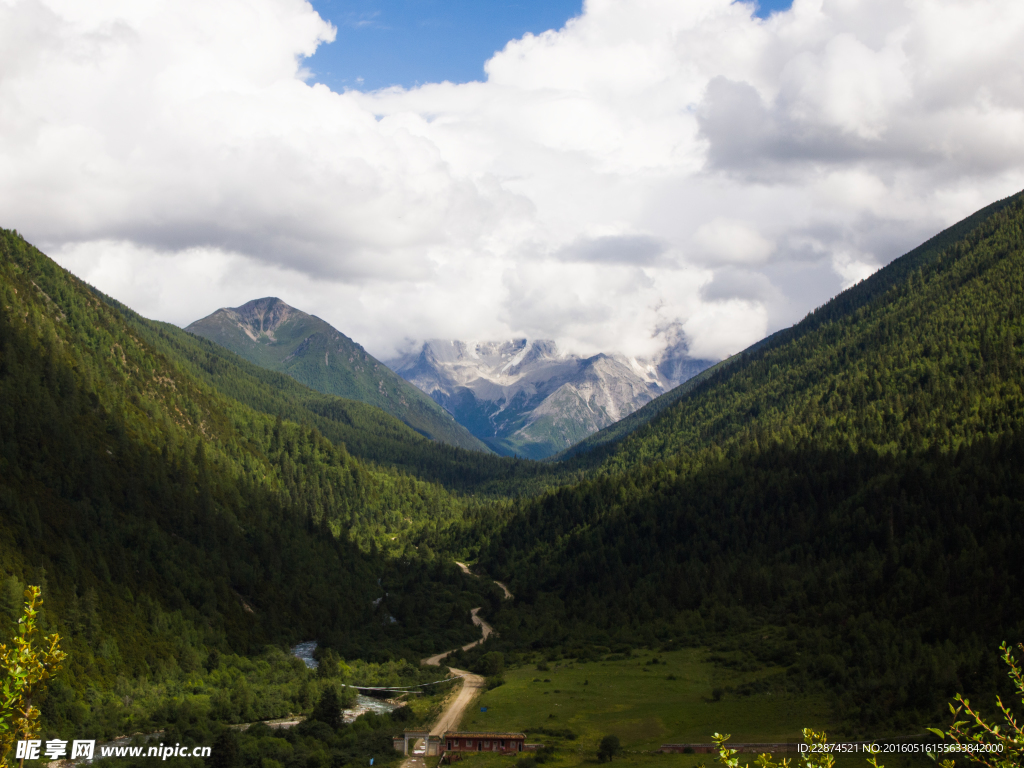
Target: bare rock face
525	397
260	317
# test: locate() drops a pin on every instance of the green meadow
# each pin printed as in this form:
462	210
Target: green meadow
647	700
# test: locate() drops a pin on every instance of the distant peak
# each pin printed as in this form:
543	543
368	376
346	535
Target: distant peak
262	316
260	305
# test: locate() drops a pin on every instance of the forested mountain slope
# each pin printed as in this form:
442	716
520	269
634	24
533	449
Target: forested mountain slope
602	444
274	335
366	431
592	450
166	518
858	483
929	361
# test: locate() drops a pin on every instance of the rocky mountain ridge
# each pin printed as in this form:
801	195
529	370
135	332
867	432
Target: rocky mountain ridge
525	397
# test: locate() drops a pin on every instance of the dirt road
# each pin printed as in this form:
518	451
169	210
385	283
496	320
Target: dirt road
472	685
465	570
486	630
453	711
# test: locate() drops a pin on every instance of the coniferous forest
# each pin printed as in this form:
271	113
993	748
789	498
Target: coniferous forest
844	500
855	483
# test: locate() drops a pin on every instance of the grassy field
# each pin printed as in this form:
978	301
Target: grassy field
647	700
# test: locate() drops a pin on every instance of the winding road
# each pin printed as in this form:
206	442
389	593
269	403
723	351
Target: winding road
486	628
472	685
465	570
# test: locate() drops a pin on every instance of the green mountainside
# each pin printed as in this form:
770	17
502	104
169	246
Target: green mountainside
873	367
168	520
594	449
273	335
843	500
366	431
854	483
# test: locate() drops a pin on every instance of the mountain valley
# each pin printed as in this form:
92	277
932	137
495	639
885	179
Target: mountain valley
835	513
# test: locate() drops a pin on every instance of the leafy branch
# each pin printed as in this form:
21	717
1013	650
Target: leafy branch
24	668
990	745
811	758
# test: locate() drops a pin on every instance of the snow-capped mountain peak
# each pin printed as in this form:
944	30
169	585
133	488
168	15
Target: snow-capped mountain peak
525	396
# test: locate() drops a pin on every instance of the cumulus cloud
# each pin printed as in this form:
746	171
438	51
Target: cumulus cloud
725	241
732	283
639	250
653	164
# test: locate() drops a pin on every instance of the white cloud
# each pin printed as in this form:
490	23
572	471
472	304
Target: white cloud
724	240
719	329
853	267
653	163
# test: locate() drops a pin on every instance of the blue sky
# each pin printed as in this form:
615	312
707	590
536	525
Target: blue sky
408	42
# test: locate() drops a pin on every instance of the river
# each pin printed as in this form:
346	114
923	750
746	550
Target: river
363	704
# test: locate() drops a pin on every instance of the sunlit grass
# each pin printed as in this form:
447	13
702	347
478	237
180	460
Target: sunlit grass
645	705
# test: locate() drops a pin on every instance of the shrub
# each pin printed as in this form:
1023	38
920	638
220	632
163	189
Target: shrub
809	759
491	664
608	749
970	729
25	666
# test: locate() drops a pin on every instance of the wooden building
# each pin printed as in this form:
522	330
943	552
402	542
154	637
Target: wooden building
483	741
